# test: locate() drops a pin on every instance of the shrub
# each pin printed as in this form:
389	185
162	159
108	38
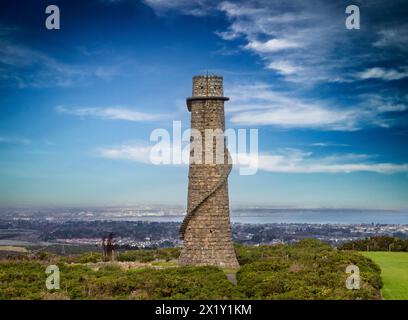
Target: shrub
306	270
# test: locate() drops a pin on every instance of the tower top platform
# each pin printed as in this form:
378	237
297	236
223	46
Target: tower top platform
207	87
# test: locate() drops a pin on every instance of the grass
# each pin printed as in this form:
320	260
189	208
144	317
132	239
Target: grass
165	264
394	266
230	270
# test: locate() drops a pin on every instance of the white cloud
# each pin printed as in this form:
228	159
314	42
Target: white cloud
286	160
329	144
106	72
138	153
284	67
307	34
26	67
272	45
299	162
303	163
146	153
298	116
112	113
311	36
396	37
297	38
14	140
383	74
382	104
259	104
188	7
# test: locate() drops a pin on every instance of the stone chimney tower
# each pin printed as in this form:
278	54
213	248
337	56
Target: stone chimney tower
206	229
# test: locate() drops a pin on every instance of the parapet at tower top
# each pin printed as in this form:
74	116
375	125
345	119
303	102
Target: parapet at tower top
208	86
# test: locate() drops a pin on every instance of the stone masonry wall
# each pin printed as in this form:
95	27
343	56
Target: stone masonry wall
210	86
207	237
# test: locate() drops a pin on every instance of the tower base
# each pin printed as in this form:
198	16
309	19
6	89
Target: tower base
208	236
222	258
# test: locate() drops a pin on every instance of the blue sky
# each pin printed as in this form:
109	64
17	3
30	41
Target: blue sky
78	104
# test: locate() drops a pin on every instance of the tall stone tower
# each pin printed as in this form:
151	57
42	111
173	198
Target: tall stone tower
206	229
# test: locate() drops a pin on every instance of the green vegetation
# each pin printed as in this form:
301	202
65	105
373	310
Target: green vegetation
306	270
165	264
13	249
89	257
382	243
25	280
149	255
394	266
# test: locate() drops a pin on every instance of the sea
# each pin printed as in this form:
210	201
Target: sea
307	216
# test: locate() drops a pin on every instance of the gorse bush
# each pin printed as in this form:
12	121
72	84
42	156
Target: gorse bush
383	243
149	255
306	270
88	257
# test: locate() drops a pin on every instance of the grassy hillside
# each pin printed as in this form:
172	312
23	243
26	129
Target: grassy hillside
394	266
306	270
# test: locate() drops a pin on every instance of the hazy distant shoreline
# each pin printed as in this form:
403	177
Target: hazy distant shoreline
300	217
239	215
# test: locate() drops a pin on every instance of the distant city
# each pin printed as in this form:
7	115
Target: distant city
252	215
71	230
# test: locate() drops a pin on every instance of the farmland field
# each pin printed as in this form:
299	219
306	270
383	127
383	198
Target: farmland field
394	266
13	248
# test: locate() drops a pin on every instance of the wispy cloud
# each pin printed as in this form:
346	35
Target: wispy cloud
309	36
396	37
14	140
111	113
329	144
188	7
136	152
298	115
30	68
146	153
384	74
297	39
23	66
287	160
272	45
384	104
284	67
306	41
259	104
297	161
